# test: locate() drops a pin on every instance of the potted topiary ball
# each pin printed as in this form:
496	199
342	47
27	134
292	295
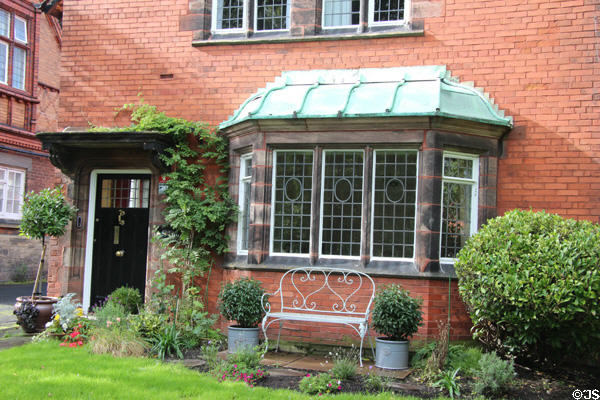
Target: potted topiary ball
396	316
240	301
43	214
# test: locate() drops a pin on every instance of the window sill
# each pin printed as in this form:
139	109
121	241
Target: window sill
394	269
278	37
9	223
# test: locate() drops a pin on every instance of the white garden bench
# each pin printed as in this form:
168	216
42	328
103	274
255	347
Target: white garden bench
322	294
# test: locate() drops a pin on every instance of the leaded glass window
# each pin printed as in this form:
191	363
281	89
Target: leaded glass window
125	193
341	13
272	15
342	203
244	202
387	11
4	23
459	203
19	62
20	30
292	189
394	203
3	62
230	14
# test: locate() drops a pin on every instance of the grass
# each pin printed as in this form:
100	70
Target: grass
46	371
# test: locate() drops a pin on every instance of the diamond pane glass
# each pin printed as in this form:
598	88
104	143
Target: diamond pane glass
458	168
456	217
230	14
19	60
292	206
125	193
388	10
341	12
342	203
245	217
272	15
394	203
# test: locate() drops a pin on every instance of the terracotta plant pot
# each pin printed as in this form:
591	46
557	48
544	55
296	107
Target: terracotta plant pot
44	305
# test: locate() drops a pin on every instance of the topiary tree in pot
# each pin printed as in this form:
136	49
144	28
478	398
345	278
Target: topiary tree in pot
43	214
240	301
396	316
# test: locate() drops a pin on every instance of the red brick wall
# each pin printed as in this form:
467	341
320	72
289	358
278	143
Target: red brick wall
537	59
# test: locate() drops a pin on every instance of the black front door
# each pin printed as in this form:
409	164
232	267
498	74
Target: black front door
120	234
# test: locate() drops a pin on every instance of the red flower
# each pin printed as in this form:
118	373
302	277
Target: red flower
72	344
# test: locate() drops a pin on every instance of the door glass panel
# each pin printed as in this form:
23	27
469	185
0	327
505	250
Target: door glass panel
125	193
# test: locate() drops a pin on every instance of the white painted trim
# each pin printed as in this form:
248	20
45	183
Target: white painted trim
89	240
215	17
474	181
242	199
372	210
407	15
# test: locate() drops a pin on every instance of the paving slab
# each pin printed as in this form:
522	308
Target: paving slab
285	372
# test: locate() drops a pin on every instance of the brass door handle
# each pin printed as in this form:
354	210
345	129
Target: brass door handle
120	253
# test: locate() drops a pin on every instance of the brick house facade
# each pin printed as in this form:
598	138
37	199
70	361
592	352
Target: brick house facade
30	70
537	59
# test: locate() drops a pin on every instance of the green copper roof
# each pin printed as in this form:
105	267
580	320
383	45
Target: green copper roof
369	92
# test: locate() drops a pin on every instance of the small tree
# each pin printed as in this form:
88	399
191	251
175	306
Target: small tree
44	214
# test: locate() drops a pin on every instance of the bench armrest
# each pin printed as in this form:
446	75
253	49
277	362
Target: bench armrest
264	301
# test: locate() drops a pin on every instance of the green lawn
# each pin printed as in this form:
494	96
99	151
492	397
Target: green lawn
47	371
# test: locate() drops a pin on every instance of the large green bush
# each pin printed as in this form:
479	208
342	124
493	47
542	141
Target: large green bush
531	282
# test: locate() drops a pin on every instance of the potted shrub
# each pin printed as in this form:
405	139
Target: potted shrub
43	214
240	301
396	316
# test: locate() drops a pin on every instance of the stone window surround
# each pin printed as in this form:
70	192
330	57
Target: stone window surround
305	24
431	145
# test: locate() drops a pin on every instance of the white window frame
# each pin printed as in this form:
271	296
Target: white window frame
5	81
242	199
273	180
322	189
4	183
8	24
215	19
474	181
372	210
360	11
24	41
288	18
407	15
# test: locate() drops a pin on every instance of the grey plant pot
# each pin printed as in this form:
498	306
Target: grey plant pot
239	338
391	354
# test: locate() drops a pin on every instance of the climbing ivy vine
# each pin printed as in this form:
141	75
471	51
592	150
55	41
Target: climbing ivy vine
197	210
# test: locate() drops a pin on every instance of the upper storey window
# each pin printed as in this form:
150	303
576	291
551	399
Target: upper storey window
269	15
233	16
13	50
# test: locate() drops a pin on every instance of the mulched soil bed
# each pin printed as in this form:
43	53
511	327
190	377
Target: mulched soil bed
554	384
